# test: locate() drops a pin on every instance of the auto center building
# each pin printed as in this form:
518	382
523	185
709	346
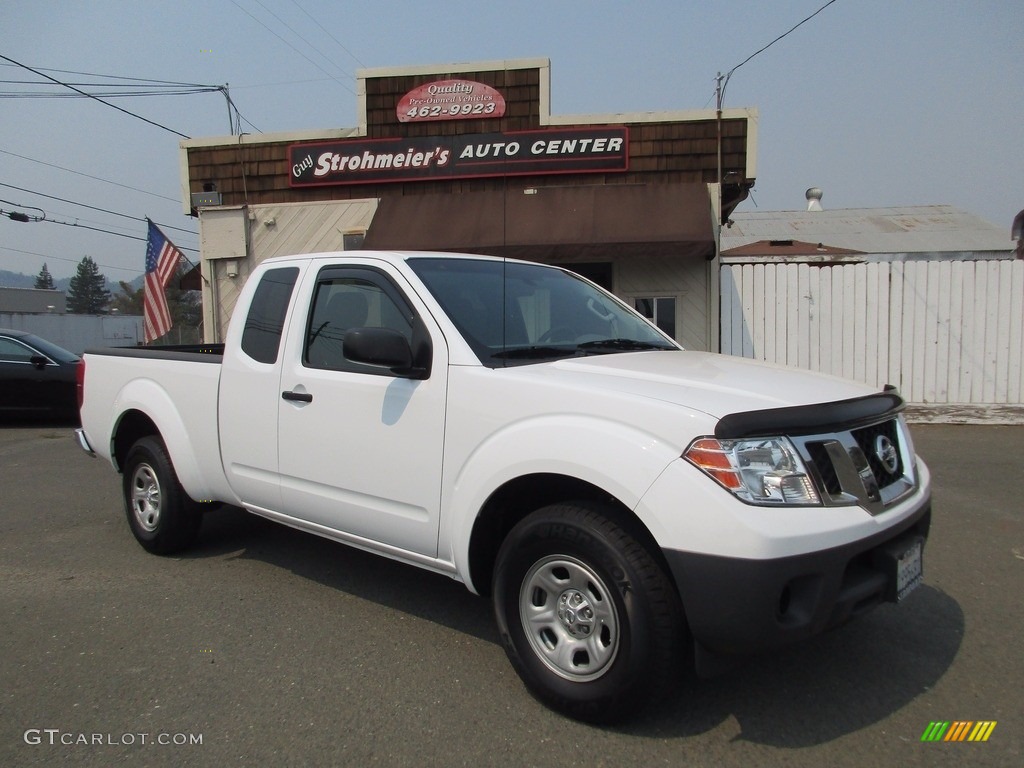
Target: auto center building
468	157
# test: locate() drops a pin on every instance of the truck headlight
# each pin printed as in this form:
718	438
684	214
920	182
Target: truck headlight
763	470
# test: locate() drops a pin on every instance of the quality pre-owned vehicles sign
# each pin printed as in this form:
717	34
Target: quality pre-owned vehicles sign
448	157
450	100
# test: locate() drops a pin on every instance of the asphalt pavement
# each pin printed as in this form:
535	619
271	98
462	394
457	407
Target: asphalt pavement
266	646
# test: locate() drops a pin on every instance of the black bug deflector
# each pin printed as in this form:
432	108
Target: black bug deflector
841	415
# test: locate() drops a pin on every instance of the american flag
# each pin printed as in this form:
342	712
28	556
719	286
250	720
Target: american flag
162	258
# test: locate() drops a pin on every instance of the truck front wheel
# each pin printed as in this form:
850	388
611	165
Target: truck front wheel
162	517
587	616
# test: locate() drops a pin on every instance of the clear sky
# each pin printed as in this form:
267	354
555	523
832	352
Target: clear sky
878	102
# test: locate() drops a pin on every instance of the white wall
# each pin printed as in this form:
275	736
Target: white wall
244	236
686	280
76	333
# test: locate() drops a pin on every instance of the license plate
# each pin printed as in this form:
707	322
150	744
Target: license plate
909	572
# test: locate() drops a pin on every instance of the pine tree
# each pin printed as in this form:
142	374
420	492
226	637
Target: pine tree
44	279
186	310
88	294
129	300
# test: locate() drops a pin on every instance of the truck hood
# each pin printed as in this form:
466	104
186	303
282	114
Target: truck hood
711	383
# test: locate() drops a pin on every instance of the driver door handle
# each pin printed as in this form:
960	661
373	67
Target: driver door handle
300	397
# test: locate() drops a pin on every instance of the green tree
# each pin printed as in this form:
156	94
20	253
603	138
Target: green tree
186	310
87	293
44	279
129	300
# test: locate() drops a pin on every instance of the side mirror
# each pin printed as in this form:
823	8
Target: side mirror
38	361
382	347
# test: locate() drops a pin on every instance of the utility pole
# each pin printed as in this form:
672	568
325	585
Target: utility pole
227	98
719	96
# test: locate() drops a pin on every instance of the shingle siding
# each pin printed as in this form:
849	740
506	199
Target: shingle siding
659	152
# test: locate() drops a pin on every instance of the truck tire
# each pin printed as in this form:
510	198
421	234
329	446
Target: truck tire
162	517
587	616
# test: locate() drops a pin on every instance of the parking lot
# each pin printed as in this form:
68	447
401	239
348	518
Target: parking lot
266	646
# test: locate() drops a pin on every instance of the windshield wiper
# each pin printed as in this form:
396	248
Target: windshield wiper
531	353
619	345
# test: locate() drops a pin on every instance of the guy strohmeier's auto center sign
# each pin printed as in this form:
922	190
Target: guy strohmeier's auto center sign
589	150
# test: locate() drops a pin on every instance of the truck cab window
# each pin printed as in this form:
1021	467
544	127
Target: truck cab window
261	337
345	302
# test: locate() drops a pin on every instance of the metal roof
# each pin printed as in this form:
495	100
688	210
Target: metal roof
920	229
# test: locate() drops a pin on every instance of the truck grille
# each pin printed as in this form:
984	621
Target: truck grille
871	466
867	440
826	472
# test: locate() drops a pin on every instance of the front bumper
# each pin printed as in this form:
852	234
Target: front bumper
737	606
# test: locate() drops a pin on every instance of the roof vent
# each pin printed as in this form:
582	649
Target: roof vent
813	196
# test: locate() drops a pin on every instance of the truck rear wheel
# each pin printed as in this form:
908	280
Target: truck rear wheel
163	519
587	616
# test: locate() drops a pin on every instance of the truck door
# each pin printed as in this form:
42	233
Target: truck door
361	446
250	388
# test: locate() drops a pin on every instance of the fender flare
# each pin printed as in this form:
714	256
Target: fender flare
150	399
618	458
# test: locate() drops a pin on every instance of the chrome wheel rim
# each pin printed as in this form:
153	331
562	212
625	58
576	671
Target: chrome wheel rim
569	618
145	498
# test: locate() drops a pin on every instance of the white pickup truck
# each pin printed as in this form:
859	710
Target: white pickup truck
626	504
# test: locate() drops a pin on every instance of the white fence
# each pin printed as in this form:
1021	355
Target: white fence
76	333
947	333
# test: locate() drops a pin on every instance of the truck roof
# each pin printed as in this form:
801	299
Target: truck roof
393	257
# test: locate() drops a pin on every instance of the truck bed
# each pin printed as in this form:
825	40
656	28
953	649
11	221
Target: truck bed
198	353
177	389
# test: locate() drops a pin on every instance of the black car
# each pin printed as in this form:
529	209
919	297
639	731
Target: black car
37	378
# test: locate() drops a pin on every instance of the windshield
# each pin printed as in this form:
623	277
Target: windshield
548	313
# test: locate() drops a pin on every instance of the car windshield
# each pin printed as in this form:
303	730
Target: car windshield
549	313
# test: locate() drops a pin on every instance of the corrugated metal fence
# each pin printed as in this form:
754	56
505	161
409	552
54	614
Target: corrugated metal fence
944	332
76	333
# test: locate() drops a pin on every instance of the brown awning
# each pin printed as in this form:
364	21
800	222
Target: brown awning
551	223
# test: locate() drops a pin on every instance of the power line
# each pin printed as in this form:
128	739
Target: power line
292	30
724	80
279	37
238	115
63	214
101	101
86	175
65	258
95	208
148	80
15	216
94	229
48	216
340	44
105	94
23	217
109	232
133	84
286	82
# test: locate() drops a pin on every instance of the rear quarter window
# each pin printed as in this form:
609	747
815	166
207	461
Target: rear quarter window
261	336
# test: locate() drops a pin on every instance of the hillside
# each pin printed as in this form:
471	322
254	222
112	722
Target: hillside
10	279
